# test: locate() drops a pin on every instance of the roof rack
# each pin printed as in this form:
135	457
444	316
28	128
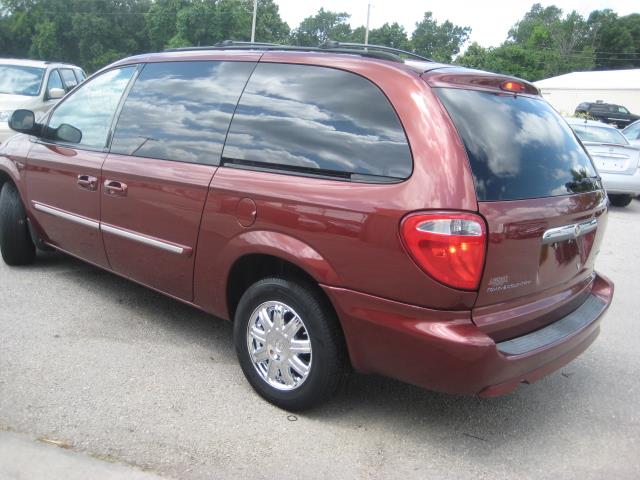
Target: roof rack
374	51
368	47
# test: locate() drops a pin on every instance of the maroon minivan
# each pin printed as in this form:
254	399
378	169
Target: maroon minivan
347	207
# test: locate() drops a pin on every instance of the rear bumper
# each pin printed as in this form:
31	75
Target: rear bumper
445	351
622	184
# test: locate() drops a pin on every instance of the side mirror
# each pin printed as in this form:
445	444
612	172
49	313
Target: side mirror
68	133
23	121
55	93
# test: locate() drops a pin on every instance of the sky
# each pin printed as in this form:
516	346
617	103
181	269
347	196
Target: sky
490	20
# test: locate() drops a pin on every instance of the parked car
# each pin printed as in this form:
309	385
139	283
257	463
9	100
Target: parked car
607	113
632	133
616	160
33	85
346	208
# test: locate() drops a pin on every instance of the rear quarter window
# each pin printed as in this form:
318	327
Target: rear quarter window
317	120
518	146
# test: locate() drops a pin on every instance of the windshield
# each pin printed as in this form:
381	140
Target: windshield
518	146
591	133
19	80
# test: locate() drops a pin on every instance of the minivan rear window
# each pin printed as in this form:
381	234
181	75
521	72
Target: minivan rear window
518	146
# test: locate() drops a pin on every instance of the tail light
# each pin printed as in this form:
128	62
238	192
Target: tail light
450	247
511	86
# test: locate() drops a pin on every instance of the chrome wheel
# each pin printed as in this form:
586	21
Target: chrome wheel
279	345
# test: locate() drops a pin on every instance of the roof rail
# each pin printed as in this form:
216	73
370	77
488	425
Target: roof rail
374	51
366	46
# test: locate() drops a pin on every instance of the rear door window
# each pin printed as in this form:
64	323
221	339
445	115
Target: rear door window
180	110
518	146
318	121
68	78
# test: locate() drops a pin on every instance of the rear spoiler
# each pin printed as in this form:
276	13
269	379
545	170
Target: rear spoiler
459	77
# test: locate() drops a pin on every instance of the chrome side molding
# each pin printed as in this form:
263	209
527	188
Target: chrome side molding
169	247
87	222
95	225
569	232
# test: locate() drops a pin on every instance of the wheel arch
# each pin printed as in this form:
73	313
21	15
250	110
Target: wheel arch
215	264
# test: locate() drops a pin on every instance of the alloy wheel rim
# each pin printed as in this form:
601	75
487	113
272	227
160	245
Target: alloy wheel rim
279	345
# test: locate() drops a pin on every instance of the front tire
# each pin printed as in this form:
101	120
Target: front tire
289	343
16	245
620	200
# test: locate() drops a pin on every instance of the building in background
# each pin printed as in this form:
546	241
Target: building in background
565	92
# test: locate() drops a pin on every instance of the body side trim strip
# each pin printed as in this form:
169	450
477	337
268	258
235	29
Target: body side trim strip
95	225
169	247
72	217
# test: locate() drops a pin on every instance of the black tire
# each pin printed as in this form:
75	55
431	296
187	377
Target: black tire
16	245
327	366
620	200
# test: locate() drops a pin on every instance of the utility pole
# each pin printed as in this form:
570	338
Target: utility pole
366	32
253	24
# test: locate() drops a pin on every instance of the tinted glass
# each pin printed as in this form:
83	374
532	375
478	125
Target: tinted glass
80	75
69	78
180	110
314	118
518	147
19	80
54	81
90	108
591	133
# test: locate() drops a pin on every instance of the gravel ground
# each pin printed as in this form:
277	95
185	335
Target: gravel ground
121	373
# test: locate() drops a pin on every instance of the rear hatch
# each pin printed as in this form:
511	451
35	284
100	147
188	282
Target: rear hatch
540	196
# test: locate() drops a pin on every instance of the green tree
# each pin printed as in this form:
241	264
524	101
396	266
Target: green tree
542	44
269	25
161	22
324	25
616	40
438	41
390	35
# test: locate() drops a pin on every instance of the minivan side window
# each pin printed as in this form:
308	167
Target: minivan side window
180	110
90	108
317	120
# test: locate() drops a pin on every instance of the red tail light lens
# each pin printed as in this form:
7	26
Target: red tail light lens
450	247
511	86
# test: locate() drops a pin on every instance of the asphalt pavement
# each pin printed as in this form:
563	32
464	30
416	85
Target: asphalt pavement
100	374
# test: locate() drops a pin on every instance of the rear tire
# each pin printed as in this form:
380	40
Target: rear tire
294	371
16	245
618	200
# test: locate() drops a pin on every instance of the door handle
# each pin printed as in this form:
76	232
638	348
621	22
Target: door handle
115	188
87	182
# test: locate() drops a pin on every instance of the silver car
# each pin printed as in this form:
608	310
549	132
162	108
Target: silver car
616	160
33	85
632	132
